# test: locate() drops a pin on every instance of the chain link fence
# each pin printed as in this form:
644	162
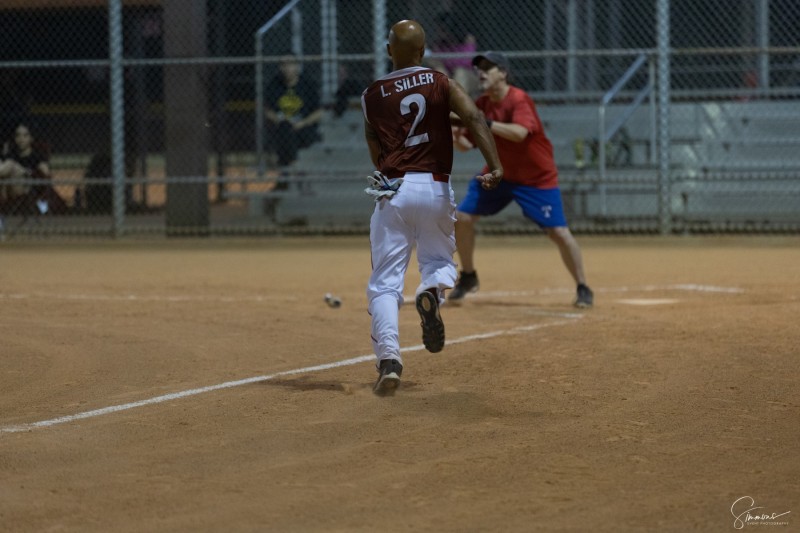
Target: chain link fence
148	116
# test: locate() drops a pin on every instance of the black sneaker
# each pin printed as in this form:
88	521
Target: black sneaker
585	297
432	325
466	283
389	371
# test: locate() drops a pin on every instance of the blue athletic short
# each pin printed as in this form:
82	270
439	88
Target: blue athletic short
543	206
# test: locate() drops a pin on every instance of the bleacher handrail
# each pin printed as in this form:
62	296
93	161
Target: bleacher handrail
606	134
259	80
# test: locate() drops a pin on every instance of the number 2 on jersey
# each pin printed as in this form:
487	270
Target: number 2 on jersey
405	109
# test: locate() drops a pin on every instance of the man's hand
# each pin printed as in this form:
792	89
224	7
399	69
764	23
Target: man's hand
460	141
491	180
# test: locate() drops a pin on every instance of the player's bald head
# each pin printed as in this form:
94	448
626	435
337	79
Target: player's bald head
406	43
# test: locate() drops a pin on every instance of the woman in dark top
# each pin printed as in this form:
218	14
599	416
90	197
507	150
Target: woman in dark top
22	160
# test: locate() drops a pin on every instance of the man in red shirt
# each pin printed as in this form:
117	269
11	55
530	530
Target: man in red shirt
530	179
407	128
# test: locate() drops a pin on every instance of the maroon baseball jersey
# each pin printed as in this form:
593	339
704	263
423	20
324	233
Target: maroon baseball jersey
410	111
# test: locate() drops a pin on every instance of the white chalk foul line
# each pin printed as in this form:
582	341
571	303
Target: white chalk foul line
141	298
257	379
686	287
689	287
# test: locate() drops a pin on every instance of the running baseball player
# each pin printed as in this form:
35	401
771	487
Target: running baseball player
407	129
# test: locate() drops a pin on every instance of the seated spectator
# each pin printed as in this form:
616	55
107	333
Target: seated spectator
293	111
22	159
452	38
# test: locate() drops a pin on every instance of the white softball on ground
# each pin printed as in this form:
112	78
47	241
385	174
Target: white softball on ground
333	301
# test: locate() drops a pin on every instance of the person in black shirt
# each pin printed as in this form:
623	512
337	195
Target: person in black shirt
293	111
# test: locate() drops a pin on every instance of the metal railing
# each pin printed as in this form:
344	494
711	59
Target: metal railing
259	81
605	134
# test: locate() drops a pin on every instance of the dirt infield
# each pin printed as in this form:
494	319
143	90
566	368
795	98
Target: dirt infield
671	406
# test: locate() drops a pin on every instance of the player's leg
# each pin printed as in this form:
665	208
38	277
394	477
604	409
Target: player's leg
569	250
383	309
436	244
435	230
390	246
573	260
545	208
465	240
477	202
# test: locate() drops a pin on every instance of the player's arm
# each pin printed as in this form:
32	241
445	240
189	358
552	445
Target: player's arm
373	143
523	123
455	120
509	130
473	119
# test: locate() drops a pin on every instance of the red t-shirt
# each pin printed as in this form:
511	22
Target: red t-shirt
529	162
410	112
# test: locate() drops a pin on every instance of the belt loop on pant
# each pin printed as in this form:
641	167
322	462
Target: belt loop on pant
445	178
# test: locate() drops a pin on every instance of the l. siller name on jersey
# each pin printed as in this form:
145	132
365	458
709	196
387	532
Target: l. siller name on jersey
404	84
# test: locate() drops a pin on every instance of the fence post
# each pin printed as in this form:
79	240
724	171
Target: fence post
601	159
329	39
379	37
662	23
762	38
572	46
117	114
186	134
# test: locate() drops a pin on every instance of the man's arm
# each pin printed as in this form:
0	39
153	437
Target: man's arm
509	130
312	118
460	140
455	120
523	121
271	115
373	143
473	119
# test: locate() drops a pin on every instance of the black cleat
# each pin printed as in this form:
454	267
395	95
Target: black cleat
432	325
390	371
585	297
466	284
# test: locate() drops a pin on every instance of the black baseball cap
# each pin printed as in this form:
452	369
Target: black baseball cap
495	58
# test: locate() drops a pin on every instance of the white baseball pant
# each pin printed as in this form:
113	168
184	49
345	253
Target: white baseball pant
423	212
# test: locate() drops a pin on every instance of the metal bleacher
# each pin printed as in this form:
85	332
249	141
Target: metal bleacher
723	156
